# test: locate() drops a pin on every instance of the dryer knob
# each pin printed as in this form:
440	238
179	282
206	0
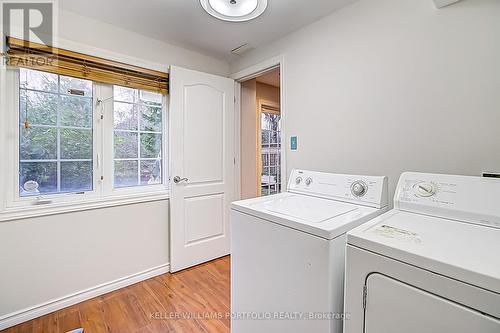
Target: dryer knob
359	188
426	189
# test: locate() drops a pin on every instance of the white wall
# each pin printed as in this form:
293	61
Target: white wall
90	32
384	86
47	258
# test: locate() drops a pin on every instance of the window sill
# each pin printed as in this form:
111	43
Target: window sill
18	213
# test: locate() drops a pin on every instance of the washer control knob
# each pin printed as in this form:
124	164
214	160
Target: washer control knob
426	189
309	181
298	180
359	188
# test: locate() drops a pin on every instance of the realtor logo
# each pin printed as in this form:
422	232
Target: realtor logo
29	21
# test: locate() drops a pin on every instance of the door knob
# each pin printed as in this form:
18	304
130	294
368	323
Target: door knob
178	179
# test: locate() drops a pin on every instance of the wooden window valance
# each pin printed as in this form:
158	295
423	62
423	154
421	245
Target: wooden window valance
36	56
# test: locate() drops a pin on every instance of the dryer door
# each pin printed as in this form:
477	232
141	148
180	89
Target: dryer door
395	307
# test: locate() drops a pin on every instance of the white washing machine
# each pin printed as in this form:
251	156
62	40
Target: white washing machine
432	264
287	251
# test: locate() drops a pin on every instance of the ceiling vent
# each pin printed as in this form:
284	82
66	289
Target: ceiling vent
444	3
242	49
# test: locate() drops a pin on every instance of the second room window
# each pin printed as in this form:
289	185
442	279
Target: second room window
137	137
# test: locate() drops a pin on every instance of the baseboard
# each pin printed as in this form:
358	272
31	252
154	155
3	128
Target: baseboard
21	316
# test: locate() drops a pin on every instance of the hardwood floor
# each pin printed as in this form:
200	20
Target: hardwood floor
194	300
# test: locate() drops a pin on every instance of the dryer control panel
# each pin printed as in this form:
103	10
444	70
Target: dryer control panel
362	190
463	198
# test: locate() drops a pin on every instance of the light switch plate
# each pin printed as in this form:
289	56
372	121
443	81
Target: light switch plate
293	143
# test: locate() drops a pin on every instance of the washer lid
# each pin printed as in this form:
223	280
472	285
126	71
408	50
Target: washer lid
306	208
321	217
462	251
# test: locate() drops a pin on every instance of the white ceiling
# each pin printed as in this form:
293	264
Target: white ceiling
185	24
271	78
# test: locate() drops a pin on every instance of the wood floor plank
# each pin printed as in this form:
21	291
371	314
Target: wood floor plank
92	316
47	323
68	321
191	301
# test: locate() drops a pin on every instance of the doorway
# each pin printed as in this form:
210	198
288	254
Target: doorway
261	135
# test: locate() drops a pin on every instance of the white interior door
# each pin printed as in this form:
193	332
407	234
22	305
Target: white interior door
202	166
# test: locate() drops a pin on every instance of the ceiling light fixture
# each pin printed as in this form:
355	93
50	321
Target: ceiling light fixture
234	10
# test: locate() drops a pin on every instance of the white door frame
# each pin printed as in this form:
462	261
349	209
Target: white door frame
248	74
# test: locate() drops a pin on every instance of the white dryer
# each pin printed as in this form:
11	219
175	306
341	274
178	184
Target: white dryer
287	251
432	264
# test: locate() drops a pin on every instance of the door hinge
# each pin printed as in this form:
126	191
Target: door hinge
234	99
365	294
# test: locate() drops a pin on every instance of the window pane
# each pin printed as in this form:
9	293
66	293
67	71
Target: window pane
124	94
265	190
125	116
37	80
151	172
125	145
44	102
68	83
137	137
271	150
266	137
38	143
264	121
76	144
37	178
150	118
76	176
149	97
274	173
274	137
40	108
150	145
274	122
126	173
76	111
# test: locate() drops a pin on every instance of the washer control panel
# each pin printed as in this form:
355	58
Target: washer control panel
463	198
364	190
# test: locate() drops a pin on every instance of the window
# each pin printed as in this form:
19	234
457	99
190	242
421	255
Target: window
76	136
270	153
137	137
55	137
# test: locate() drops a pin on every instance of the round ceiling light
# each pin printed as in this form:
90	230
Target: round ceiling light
234	10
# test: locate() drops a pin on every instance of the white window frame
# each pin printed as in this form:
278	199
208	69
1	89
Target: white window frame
13	206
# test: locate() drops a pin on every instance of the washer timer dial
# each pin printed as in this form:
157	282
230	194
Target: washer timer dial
425	189
359	188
